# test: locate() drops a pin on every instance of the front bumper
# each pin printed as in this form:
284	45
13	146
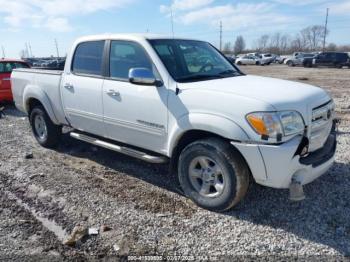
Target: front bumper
276	165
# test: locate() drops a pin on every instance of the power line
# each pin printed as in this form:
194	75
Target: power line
325	31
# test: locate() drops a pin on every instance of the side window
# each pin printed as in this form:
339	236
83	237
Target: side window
125	55
88	58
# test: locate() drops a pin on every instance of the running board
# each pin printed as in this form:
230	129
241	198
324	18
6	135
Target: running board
120	149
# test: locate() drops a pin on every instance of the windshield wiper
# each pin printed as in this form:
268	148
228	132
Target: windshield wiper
229	72
198	77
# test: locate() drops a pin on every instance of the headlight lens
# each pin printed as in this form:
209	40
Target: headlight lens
271	124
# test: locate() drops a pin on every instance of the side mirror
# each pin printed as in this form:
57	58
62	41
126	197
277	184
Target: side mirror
142	76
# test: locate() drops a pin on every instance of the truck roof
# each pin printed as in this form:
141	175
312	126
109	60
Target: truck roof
135	37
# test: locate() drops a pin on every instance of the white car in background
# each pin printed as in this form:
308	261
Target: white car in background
298	59
248	60
266	59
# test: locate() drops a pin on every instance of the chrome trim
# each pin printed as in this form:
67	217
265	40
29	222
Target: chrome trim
120	149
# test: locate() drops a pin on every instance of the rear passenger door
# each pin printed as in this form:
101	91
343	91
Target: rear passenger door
133	114
82	88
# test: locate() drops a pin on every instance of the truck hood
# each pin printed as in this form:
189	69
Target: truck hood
281	94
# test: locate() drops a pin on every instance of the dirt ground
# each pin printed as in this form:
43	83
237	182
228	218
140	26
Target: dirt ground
44	194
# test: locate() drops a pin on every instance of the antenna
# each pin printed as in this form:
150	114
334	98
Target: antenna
325	31
58	54
172	20
220	35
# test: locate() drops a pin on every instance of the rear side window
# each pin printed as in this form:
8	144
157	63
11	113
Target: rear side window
88	58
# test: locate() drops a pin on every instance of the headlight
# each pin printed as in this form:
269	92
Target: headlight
272	124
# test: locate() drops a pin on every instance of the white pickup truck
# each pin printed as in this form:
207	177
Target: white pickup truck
181	101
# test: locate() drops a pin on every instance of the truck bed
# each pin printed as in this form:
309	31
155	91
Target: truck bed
40	83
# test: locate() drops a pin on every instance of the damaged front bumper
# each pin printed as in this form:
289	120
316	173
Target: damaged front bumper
278	165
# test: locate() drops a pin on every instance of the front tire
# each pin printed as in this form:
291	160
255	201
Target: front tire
213	174
290	64
45	131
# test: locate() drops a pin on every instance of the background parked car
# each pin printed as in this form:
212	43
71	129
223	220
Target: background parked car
328	59
6	67
248	60
298	60
266	59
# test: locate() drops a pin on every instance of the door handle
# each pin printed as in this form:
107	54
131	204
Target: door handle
113	93
6	79
68	86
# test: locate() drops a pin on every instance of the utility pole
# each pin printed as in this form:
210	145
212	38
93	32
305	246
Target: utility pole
58	54
27	50
325	31
172	20
30	50
3	51
220	35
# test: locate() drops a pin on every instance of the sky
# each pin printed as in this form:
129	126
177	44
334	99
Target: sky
39	22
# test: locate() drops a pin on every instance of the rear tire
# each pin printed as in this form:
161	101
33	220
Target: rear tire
45	131
213	174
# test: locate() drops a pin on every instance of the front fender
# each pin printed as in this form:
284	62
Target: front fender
35	92
215	124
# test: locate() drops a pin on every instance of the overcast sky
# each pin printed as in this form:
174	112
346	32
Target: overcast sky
39	22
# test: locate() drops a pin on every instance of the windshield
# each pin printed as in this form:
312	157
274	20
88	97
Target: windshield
189	60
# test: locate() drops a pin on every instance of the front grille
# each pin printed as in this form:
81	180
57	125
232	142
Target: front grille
322	121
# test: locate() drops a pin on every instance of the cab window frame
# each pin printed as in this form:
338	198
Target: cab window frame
108	76
102	75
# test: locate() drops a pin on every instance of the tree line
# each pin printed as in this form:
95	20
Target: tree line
309	39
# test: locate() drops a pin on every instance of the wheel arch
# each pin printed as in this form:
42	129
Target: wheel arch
200	126
35	96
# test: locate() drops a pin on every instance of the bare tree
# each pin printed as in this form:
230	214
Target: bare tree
332	47
314	36
275	41
262	43
227	48
239	45
284	44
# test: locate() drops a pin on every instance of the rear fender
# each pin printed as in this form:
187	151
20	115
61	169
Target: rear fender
35	92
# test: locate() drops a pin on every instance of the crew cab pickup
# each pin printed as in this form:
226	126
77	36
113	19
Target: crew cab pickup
181	101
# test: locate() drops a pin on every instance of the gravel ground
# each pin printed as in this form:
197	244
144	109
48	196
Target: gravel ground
43	198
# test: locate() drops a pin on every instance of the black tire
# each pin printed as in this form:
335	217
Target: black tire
53	132
235	173
239	63
257	63
290	63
